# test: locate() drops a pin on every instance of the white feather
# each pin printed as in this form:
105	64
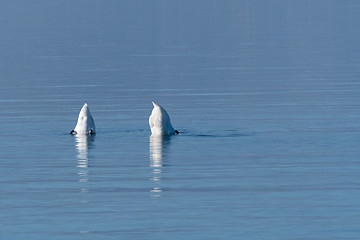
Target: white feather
85	123
159	121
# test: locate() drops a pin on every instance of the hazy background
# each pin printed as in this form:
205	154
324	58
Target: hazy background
264	93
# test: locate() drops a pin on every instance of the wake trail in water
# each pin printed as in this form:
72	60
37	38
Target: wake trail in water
214	134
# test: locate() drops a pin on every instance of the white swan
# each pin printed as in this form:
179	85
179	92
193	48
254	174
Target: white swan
159	122
85	123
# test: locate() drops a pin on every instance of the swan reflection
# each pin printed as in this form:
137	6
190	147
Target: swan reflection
158	145
83	143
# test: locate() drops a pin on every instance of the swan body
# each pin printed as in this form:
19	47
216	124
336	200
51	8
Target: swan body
159	122
85	123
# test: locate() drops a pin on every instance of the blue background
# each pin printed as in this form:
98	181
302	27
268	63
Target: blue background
265	95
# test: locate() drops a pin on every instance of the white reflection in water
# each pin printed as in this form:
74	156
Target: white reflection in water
158	146
83	143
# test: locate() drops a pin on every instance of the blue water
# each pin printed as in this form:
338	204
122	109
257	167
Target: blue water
265	95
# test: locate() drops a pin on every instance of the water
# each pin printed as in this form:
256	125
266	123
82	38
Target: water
265	95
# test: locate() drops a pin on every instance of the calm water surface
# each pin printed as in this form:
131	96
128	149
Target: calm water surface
265	95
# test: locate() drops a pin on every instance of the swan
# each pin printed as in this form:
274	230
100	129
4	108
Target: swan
85	123
159	122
